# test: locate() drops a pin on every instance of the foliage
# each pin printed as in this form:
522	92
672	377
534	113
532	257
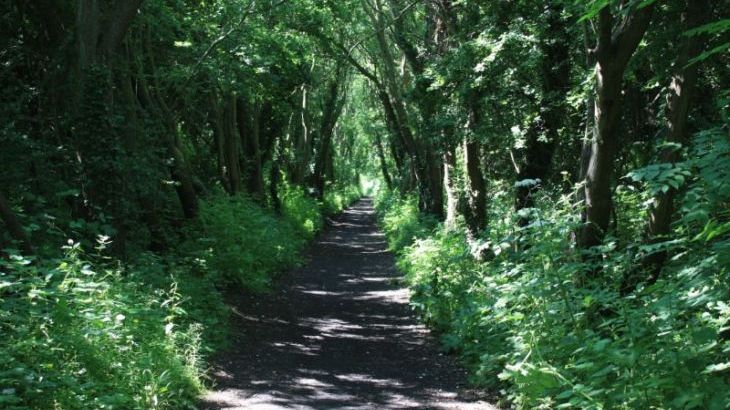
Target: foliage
400	219
335	201
302	210
560	343
89	331
208	140
85	332
235	241
306	214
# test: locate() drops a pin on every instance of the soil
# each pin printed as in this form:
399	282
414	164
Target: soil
338	333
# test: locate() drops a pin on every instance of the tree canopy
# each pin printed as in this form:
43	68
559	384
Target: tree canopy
554	177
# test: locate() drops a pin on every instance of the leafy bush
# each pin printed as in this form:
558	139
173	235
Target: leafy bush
235	241
337	200
306	214
400	219
86	333
301	210
558	338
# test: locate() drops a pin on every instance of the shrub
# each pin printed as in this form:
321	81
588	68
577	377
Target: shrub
337	200
400	219
86	333
560	339
301	210
235	241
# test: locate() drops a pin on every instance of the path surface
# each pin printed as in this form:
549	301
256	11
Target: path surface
338	335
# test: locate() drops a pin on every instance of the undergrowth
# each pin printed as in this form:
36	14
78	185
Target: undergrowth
528	322
85	330
236	242
84	333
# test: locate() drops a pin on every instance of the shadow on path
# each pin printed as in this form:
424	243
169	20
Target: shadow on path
338	335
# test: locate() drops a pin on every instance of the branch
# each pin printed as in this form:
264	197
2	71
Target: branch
628	36
214	44
408	49
390	23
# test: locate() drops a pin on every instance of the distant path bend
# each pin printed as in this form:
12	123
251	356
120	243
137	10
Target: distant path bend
339	334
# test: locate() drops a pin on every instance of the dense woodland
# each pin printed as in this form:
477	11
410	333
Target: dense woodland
553	176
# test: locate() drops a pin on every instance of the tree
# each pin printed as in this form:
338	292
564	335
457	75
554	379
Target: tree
680	92
617	40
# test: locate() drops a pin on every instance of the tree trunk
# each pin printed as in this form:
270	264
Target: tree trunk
451	190
88	19
219	134
393	127
433	195
117	24
425	161
681	88
231	146
304	143
13	225
275	176
248	119
383	163
613	52
476	196
185	188
96	45
179	170
332	109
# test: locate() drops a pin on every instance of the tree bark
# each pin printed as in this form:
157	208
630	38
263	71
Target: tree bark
118	22
304	142
13	225
475	213
87	32
683	84
613	52
219	134
231	149
383	162
275	176
179	170
248	121
332	109
397	142
452	198
97	44
425	160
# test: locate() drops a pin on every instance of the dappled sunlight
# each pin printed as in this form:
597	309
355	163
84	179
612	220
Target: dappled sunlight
310	382
322	293
365	279
329	325
308	349
344	337
366	378
394	295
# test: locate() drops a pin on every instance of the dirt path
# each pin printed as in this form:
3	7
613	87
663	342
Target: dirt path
338	335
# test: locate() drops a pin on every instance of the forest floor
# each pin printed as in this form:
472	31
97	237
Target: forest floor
338	334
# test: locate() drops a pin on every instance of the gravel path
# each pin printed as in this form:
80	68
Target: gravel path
338	334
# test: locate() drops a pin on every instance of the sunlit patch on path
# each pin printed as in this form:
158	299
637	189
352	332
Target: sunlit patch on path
339	335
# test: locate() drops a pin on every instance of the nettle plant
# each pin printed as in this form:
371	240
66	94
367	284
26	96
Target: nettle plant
558	338
84	332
